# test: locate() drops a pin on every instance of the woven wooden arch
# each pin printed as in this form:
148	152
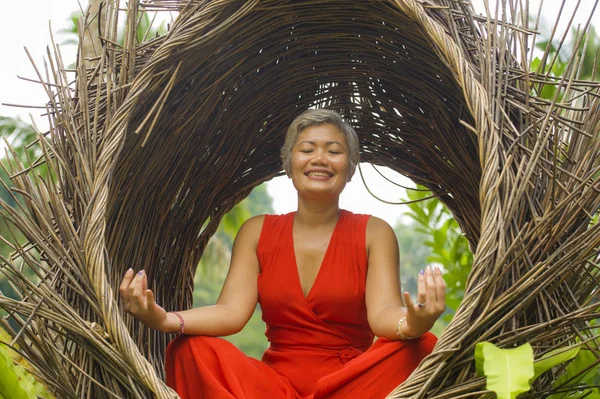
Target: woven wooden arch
150	147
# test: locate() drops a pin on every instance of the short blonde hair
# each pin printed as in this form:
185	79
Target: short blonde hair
315	117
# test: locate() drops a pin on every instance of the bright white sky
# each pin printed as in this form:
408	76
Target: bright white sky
26	24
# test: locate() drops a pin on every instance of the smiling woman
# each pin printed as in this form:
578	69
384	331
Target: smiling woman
320	157
323	156
326	280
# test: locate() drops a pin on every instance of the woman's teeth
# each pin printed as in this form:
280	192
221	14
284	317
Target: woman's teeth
324	174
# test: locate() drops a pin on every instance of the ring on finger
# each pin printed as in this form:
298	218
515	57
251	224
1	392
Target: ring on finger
419	304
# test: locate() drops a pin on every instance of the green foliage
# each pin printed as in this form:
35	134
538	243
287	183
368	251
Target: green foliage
257	203
564	55
251	340
18	135
15	129
557	69
508	371
17	382
580	394
552	359
10	386
413	254
146	30
583	372
70	32
561	58
213	266
449	248
580	375
511	371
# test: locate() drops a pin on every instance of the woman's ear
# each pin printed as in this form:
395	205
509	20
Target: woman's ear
350	174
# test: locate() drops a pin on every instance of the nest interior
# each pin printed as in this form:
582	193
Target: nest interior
233	95
223	122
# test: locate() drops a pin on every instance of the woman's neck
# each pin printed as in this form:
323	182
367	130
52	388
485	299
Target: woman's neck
317	213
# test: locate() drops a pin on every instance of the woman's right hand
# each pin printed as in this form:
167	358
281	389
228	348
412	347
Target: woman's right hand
138	300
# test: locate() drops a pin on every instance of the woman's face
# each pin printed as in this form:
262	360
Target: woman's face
320	161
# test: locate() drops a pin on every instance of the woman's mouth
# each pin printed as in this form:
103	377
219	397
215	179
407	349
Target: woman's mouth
319	174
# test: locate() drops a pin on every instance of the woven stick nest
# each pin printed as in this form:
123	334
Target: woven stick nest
150	147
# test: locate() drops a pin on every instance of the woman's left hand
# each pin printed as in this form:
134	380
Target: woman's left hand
431	303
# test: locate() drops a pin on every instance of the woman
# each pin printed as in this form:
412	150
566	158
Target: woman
327	281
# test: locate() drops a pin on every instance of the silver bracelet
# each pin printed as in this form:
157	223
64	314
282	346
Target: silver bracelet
399	330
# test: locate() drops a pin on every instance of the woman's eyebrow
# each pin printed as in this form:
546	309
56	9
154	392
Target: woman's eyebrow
314	142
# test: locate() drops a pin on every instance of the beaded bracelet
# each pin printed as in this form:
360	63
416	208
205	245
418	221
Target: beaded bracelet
181	322
399	330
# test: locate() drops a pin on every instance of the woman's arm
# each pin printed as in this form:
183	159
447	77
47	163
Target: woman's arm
383	292
234	307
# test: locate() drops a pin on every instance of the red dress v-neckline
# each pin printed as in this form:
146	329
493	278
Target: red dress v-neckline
323	261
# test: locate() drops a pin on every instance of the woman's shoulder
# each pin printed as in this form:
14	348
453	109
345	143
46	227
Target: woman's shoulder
256	225
254	221
251	228
269	218
360	219
378	223
378	230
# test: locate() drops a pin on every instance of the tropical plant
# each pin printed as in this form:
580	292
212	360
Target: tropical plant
414	253
448	246
512	371
17	135
558	53
18	380
212	270
147	29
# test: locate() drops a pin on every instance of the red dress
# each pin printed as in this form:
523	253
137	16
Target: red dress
320	345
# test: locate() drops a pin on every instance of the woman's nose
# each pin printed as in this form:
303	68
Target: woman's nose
320	157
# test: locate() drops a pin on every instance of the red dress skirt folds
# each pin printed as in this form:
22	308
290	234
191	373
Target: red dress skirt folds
321	345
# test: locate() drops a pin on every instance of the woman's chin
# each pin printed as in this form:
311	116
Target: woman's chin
320	192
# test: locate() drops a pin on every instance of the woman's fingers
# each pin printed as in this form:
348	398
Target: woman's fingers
431	301
124	287
431	288
432	291
147	294
144	283
136	300
136	286
149	299
440	288
421	288
417	318
408	302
